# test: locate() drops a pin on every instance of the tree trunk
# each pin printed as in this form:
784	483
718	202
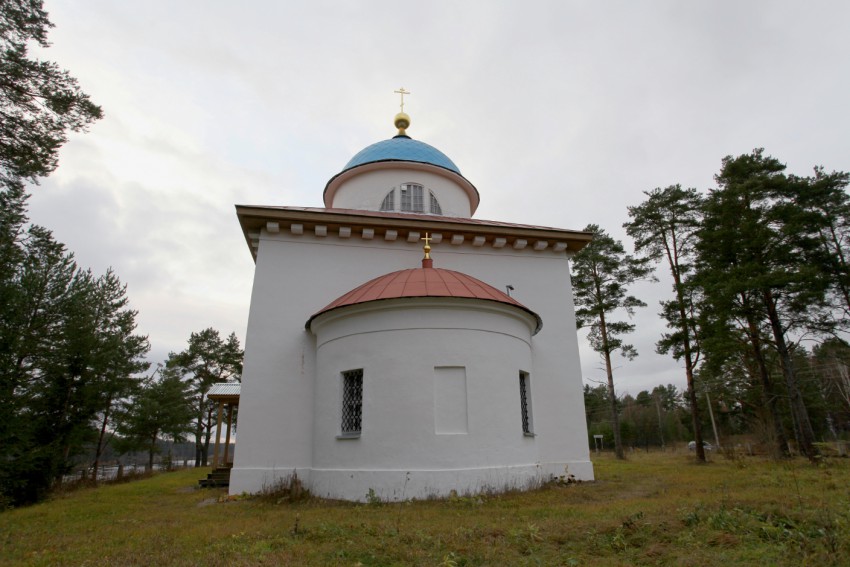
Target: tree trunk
61	459
837	252
798	405
615	418
690	362
689	370
198	445
767	394
99	448
660	424
207	435
199	434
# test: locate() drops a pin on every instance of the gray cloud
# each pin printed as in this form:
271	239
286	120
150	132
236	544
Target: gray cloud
561	113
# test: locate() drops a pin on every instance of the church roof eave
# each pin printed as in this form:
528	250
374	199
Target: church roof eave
538	322
255	219
424	283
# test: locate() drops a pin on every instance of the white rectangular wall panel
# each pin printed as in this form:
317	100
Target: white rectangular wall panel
450	407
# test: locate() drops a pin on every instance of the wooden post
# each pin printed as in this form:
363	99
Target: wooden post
217	436
227	438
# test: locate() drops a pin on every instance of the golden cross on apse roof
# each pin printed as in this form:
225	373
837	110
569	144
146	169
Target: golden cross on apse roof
427	240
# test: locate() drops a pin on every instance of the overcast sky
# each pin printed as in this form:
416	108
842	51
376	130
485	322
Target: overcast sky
560	113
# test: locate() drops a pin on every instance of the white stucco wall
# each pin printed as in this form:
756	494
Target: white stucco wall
297	275
400	453
367	190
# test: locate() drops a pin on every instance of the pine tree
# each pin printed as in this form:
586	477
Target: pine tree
208	360
760	260
53	359
601	273
39	102
160	410
664	227
825	196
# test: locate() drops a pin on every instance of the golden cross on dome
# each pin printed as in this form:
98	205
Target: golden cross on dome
427	240
402	92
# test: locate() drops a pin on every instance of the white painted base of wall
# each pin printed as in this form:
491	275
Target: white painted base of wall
579	470
253	480
397	485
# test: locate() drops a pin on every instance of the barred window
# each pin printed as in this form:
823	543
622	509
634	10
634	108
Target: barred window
525	403
418	205
435	205
388	204
411	198
352	401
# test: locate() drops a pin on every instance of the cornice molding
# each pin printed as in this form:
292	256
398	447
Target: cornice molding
394	227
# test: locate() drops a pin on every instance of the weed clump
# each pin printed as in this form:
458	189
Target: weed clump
283	489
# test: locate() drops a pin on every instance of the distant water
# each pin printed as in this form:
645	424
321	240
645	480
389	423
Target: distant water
111	471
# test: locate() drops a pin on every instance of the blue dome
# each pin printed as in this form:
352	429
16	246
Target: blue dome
401	148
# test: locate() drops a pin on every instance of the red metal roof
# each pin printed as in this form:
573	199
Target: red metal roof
424	282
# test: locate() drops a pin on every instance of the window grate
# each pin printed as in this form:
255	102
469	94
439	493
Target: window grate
435	205
412	198
388	204
525	406
352	401
405	198
418	204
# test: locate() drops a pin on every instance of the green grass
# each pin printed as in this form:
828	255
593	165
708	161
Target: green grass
653	509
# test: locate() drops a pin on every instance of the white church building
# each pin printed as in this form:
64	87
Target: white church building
370	370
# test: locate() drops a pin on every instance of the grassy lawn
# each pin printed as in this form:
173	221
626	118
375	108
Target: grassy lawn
653	509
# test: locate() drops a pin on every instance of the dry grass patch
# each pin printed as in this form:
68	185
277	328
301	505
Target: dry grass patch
653	509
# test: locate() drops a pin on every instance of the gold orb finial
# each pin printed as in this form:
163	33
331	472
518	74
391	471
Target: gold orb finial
402	122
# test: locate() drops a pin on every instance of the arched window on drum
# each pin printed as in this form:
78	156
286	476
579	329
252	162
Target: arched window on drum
411	200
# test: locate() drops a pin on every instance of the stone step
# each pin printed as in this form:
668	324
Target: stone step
220	477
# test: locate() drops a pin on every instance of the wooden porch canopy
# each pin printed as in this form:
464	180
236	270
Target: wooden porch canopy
226	395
